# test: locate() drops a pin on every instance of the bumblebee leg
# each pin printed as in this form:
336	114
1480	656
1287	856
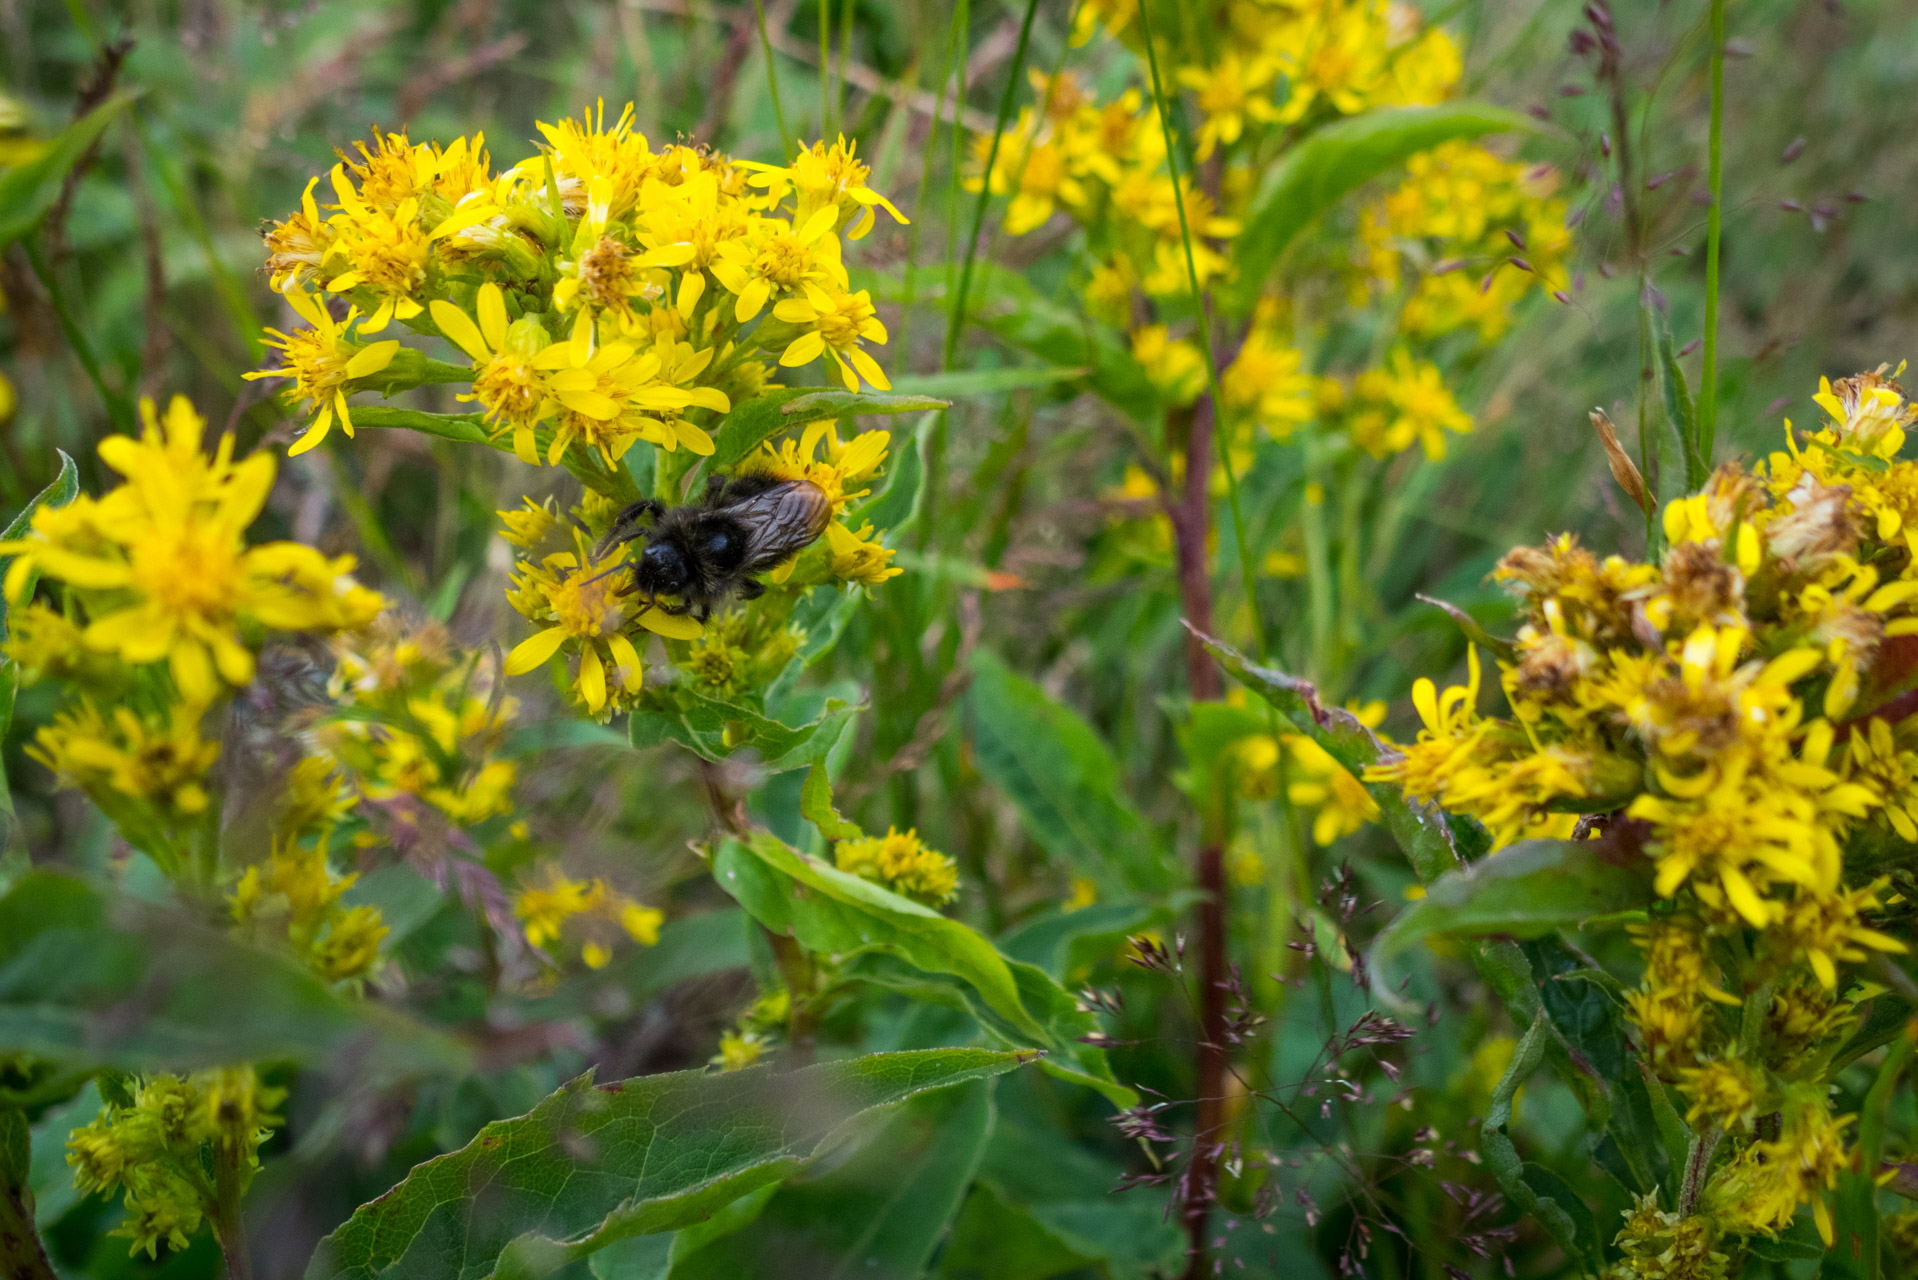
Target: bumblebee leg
751	589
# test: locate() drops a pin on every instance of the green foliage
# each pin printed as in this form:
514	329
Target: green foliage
1326	167
93	979
593	1164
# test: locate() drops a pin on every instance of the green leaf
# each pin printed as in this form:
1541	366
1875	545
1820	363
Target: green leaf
1061	942
1501	1157
1525	890
92	980
816	807
1676	397
779	409
64	489
713	728
27	192
959	383
16	1151
594	1164
881	1214
894	508
1322	169
826	910
1420	830
1062	778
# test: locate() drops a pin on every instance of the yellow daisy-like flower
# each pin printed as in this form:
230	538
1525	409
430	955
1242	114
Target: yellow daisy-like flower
826	177
581	599
1230	93
322	361
158	762
834	323
858	556
841	467
165	563
507	380
774	258
552	901
386	252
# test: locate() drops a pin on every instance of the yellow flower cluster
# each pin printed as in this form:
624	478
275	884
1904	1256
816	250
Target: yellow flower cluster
551	905
599	294
900	863
162	565
174	1147
296	895
1736	711
417	722
164	608
1476	231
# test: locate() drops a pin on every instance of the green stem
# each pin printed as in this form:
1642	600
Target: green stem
21	1254
955	323
1221	428
919	202
786	138
229	1184
825	68
1708	377
119	412
1318	561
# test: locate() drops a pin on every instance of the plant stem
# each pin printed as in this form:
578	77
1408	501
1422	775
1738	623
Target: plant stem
21	1254
1698	1162
956	320
1708	376
825	68
228	1230
772	79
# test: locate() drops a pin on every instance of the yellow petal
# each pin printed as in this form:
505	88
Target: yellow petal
534	650
460	330
632	672
592	679
674	626
372	359
806	348
492	315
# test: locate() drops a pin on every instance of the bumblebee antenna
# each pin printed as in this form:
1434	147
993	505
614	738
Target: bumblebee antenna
622	527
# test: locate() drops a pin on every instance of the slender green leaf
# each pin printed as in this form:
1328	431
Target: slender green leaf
594	1164
27	192
777	410
959	383
89	979
1502	1158
841	915
1676	398
1062	778
815	805
1325	167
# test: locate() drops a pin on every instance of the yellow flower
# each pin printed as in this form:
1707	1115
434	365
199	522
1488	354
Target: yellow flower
296	895
834	324
1229	93
1176	367
165	567
513	389
842	466
386	253
1342	804
738	1050
826	177
321	361
547	905
858	557
156	761
1266	380
1406	402
900	863
583	599
775	258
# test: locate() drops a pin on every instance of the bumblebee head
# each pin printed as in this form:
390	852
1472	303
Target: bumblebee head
664	569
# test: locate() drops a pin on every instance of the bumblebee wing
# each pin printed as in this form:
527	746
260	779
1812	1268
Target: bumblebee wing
780	521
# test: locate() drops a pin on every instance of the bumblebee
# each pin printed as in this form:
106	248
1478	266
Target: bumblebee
704	551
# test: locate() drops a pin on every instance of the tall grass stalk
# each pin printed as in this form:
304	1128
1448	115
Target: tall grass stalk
772	80
1714	179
